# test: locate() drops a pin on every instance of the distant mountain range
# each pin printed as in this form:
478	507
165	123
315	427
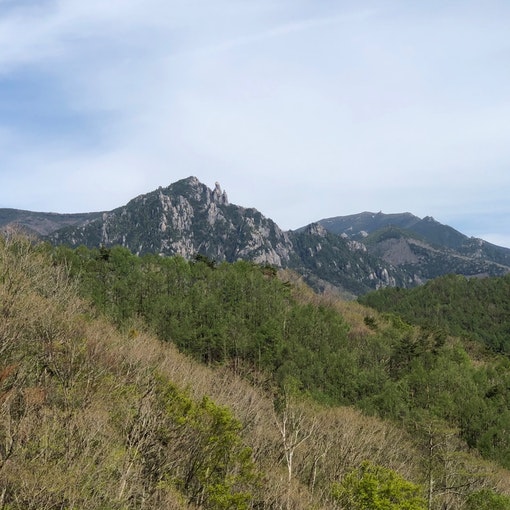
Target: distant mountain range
347	254
41	223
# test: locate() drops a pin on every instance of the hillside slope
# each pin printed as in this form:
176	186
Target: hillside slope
470	308
240	314
93	417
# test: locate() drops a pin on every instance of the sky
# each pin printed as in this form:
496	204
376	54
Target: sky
303	109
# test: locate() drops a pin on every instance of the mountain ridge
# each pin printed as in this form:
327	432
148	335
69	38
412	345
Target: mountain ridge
432	230
424	246
42	223
347	254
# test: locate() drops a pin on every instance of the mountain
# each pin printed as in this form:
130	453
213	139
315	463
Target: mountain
423	248
186	218
331	263
358	226
351	254
42	223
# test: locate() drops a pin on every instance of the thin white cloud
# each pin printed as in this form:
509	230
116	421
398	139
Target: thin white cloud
283	30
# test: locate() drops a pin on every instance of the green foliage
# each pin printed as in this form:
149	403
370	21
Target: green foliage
220	313
92	418
83	425
220	470
442	379
372	487
243	316
475	308
487	500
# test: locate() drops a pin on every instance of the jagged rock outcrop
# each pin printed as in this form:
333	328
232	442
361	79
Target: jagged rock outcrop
186	218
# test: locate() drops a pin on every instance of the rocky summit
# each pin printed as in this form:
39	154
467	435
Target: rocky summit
186	218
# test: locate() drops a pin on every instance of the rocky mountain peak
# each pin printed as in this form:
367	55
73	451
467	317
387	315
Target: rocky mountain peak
186	218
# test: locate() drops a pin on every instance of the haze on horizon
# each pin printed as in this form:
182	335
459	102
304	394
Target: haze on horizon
303	109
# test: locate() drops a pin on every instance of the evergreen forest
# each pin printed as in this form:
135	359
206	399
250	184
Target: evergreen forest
132	382
470	308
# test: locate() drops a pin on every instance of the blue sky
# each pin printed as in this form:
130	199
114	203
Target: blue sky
304	109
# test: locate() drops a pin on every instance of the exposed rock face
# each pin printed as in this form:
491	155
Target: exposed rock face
382	278
184	219
357	246
220	197
398	251
316	229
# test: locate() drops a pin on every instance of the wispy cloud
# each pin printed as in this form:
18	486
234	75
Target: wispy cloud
285	29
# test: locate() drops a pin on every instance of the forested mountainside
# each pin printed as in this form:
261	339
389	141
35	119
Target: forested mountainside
98	408
471	308
347	255
423	248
